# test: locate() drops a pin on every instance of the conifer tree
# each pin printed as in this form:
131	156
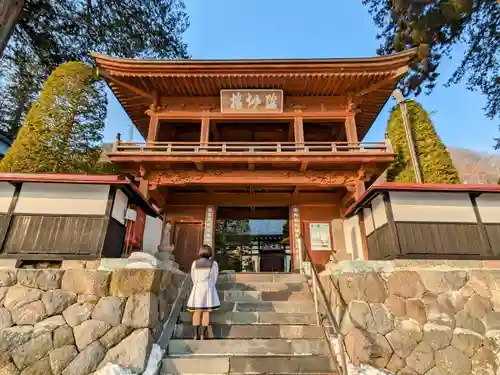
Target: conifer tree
435	161
63	129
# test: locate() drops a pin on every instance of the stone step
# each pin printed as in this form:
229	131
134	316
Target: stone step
254	318
268	306
248	365
248	348
254	295
262	286
224	331
242	277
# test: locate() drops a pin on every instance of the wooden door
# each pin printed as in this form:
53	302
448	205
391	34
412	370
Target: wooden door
272	261
187	240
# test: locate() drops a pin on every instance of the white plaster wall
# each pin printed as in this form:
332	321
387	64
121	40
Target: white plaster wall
6	194
353	237
63	199
379	212
488	205
120	206
432	206
152	234
369	224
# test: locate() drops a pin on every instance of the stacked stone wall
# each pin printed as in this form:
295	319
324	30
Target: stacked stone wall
74	321
419	320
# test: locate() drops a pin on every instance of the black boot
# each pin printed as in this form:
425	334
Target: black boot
197	330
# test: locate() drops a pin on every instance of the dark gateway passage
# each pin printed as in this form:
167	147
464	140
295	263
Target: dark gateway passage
253	239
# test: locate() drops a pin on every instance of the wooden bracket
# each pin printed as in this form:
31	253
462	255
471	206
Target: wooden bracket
105	74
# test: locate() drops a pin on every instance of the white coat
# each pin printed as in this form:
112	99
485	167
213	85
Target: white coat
204	295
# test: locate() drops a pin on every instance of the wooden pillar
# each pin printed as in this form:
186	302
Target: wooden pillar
10	12
359	189
350	130
153	128
362	231
205	131
298	130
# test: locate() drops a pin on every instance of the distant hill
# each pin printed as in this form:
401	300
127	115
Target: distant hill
476	167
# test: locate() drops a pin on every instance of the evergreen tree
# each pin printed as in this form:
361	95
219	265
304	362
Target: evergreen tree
438	26
52	32
435	161
63	129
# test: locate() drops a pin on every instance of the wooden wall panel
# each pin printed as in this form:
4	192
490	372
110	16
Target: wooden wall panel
382	244
440	240
53	237
114	241
493	233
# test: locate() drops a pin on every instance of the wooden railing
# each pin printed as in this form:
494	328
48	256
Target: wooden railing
176	148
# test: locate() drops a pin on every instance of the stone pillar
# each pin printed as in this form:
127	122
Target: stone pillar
166	239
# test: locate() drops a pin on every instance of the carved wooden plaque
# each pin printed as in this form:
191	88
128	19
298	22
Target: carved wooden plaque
251	101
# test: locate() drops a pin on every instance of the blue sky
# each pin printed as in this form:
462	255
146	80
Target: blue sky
225	29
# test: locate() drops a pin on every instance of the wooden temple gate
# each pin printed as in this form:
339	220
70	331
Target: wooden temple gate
257	133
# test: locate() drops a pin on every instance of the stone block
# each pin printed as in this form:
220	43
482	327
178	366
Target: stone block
83	281
141	311
492	321
421	359
58	300
9	369
29	314
478	306
88	332
132	352
466	321
415	310
193	365
40	367
109	310
452	362
369	287
396	363
115	335
61	358
72	264
3	292
45	279
406	284
396	305
277	365
63	336
382	318
484	362
437	336
31	351
18	296
86	361
5	319
49	324
8	277
358	346
77	313
9	263
14	336
127	282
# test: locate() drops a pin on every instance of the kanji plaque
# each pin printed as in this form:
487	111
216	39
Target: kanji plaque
251	101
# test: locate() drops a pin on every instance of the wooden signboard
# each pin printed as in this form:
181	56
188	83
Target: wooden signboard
251	101
320	237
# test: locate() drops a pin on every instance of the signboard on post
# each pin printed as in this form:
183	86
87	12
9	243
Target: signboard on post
251	101
320	237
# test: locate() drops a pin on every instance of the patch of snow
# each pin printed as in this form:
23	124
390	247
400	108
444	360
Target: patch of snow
366	370
112	369
154	361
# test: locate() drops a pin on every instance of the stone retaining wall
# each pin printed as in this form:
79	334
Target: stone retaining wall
74	321
417	319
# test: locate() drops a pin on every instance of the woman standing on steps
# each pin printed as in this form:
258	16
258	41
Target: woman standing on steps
203	298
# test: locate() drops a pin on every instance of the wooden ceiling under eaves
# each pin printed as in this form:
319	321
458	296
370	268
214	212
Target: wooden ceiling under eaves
205	78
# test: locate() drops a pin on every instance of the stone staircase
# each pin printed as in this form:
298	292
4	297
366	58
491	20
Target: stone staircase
266	325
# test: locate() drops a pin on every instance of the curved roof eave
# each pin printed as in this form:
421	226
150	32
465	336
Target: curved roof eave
138	67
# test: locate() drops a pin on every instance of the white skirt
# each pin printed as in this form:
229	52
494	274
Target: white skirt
203	297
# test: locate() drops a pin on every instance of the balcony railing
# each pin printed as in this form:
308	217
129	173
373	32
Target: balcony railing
254	148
